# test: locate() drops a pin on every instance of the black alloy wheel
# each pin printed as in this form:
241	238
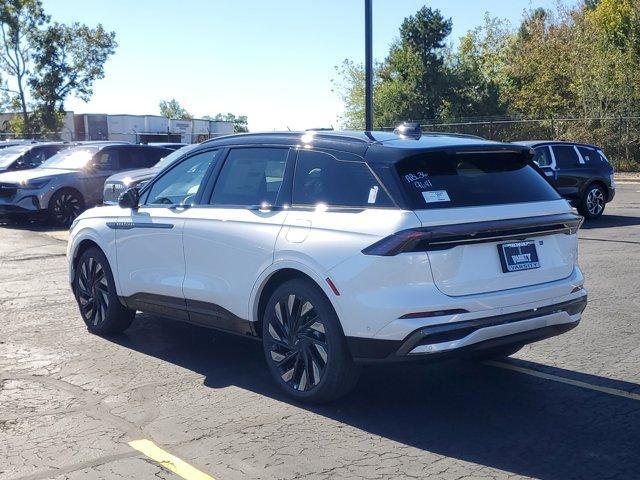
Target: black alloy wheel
65	206
304	345
298	343
95	292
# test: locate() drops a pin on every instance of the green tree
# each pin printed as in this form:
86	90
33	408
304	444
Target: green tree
19	23
68	59
240	122
173	110
478	72
411	82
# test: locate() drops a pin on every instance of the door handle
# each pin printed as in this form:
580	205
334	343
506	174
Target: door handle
179	208
266	207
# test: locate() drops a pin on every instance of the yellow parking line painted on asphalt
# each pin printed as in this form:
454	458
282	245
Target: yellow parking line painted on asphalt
168	461
568	381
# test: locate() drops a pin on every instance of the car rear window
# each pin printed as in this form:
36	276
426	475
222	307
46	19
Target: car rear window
472	179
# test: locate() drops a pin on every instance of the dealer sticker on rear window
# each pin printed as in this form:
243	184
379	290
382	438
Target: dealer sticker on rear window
436	196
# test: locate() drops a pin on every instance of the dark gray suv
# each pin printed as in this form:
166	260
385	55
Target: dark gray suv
72	180
581	173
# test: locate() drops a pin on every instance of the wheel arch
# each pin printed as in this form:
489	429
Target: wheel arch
277	277
595	181
86	240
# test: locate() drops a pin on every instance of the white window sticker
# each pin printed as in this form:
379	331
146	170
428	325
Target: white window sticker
373	194
436	196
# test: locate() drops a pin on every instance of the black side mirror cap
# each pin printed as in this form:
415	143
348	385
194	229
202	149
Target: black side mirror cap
130	198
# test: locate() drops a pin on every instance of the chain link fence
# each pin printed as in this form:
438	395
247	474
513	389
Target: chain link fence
619	137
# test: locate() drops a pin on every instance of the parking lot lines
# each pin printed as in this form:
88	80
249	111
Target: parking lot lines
568	381
169	461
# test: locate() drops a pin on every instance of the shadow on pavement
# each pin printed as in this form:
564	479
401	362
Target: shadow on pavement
608	221
33	224
472	412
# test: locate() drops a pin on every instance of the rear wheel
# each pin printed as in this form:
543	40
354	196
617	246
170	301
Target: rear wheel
96	295
593	202
304	346
64	206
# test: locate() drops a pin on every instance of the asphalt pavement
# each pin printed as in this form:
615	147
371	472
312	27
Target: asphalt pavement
170	400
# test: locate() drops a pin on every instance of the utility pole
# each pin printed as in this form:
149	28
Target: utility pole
368	68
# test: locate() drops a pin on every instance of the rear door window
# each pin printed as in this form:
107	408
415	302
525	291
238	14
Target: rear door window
321	178
471	180
566	156
250	176
543	157
131	158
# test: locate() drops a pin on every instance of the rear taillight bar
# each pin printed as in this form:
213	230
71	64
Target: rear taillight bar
444	237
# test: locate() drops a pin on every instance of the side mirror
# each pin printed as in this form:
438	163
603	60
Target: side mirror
130	198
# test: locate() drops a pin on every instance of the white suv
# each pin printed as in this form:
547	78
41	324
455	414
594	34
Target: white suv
338	249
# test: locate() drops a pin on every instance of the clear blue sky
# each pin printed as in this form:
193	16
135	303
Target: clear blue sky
270	60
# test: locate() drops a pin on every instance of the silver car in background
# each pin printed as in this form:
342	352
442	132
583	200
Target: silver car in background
72	180
118	183
28	155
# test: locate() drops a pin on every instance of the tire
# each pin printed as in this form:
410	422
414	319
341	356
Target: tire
497	353
64	206
304	345
96	295
593	202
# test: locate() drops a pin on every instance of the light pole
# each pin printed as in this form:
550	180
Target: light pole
368	68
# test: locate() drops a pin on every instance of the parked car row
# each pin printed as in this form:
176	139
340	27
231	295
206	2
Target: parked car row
74	179
62	180
338	249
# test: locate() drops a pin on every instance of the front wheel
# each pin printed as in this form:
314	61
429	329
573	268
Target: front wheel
96	294
593	202
65	206
304	345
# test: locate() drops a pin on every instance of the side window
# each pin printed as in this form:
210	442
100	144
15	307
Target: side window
38	155
137	158
566	156
180	185
590	155
106	160
250	176
542	157
321	178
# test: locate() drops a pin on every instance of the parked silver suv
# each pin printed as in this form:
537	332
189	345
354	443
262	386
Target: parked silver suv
71	180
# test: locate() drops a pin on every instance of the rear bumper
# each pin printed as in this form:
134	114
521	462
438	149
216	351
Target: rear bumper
611	193
459	339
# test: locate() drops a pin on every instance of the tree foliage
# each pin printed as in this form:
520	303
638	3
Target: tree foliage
240	122
578	61
43	63
173	110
